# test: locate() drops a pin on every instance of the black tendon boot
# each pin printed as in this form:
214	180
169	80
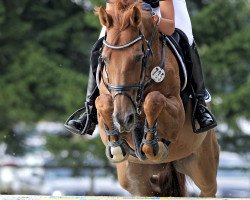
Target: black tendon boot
201	113
87	121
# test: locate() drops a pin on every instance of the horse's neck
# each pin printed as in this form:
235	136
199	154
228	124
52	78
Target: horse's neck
156	56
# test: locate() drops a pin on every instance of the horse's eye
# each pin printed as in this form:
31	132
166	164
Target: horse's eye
105	59
138	58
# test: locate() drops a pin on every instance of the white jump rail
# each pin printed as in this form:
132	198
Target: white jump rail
37	197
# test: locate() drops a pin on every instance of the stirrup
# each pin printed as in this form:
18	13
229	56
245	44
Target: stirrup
71	117
87	125
200	129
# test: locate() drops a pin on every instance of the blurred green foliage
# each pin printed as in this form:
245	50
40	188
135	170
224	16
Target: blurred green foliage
44	62
222	31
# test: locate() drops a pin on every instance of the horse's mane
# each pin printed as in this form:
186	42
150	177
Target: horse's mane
123	4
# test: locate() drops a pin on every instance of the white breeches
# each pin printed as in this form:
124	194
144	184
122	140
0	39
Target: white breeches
182	20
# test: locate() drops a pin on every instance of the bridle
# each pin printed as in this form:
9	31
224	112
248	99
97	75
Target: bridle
142	84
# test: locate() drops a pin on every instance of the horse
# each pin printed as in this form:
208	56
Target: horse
147	132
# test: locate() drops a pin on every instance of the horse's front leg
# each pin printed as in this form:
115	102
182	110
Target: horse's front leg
104	106
116	149
170	112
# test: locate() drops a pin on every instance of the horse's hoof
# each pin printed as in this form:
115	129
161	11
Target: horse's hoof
116	154
150	151
149	148
158	153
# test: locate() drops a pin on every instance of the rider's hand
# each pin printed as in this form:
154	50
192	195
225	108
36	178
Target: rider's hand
152	3
148	7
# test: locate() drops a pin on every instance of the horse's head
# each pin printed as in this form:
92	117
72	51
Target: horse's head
125	55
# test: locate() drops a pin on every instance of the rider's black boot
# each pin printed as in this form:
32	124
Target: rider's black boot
201	113
87	121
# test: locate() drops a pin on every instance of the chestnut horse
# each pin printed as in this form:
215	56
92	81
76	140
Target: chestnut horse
142	120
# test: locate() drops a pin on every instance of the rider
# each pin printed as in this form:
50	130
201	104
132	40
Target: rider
168	15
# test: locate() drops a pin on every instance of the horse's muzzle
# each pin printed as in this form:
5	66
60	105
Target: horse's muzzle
124	123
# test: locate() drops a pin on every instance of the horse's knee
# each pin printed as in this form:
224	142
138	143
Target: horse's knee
154	103
104	106
104	102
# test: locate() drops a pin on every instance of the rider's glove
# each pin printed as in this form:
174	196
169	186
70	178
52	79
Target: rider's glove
152	3
148	7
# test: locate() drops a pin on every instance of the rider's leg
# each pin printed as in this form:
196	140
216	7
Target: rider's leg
87	121
183	22
202	115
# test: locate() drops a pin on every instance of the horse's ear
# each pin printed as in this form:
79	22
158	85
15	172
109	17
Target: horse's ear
104	17
135	18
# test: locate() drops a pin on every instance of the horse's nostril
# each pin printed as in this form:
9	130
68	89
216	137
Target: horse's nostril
130	119
123	123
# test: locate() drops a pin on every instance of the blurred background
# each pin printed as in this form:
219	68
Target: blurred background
44	63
